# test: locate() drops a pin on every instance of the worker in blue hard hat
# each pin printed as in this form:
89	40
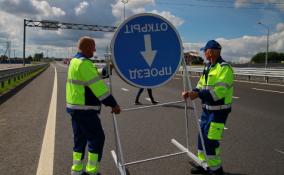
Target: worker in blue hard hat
215	89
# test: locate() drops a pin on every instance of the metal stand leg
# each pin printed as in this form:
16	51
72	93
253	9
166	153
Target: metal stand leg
119	160
187	85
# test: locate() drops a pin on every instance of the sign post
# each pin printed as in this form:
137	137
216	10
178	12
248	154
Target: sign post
146	50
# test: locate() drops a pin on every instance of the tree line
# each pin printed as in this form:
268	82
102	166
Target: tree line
273	57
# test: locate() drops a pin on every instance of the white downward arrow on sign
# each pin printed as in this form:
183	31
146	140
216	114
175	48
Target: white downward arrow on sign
148	54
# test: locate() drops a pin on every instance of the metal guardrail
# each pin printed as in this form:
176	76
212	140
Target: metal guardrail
10	78
251	74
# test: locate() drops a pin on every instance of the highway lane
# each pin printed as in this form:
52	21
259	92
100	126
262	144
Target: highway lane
253	142
22	124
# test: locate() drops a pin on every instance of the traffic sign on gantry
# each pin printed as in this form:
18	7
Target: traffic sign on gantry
146	50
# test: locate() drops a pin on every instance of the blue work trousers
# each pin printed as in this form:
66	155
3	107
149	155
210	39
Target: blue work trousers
206	118
87	128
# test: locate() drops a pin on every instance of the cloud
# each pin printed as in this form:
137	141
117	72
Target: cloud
8	29
244	48
81	8
241	3
31	7
280	27
131	8
138	6
46	10
259	4
21	7
176	21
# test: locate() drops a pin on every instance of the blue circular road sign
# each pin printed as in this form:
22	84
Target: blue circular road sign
146	50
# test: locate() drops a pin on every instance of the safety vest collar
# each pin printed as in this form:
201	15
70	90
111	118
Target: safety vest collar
218	61
80	56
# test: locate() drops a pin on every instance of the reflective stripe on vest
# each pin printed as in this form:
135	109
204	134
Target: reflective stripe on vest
225	85
218	107
101	98
93	163
214	96
211	89
84	83
77	162
83	107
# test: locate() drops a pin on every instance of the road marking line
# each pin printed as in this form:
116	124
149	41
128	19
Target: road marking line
236	97
176	78
62	65
243	81
3	122
253	82
124	89
279	151
226	128
45	164
267	90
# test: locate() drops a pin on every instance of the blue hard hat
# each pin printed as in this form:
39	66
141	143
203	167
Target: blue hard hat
212	44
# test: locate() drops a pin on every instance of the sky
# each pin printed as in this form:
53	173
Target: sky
233	23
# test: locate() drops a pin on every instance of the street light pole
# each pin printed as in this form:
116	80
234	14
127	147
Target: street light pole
267	42
124	2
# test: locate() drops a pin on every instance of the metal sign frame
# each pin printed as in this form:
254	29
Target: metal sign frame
118	154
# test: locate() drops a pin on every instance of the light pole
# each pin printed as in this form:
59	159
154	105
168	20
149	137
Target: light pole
267	42
124	2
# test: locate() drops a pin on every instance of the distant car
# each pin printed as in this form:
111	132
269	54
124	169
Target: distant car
67	61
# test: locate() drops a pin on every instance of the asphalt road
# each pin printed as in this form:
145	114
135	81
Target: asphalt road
253	141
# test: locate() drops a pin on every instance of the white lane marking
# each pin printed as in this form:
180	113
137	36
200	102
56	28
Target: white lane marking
3	122
226	128
244	81
236	97
45	164
267	90
253	82
124	89
176	78
62	65
279	151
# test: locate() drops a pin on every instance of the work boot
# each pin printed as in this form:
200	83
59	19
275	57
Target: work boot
198	170
155	102
137	103
84	173
219	171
